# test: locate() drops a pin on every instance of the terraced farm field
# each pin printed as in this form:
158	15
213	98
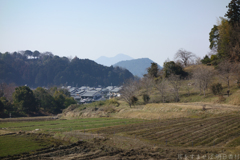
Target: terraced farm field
108	138
184	132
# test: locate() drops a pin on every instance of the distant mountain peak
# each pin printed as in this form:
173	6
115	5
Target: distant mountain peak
121	54
108	61
137	67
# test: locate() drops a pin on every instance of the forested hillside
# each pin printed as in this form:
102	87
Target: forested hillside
44	69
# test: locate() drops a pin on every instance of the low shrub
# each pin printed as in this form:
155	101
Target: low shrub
112	102
146	98
134	100
216	88
109	109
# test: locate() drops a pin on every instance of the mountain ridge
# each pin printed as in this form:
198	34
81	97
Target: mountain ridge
108	61
138	67
50	70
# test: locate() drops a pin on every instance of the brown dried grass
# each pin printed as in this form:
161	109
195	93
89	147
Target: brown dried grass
234	99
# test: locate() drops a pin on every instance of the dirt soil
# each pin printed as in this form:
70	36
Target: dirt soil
83	150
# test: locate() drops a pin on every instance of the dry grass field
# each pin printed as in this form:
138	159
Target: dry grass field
152	131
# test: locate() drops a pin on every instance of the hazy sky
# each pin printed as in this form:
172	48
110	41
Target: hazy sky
92	28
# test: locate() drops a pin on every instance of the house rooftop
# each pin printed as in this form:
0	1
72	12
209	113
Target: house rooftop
116	89
89	93
109	88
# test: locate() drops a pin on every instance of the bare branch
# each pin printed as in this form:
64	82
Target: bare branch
226	72
184	56
175	82
129	90
162	86
203	76
147	83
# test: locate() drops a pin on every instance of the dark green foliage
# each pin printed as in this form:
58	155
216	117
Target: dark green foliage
171	67
36	54
7	105
44	69
206	60
53	100
134	100
1	107
224	38
1	89
153	70
28	53
24	100
213	37
62	98
7	73
217	88
146	98
214	60
233	13
69	101
45	100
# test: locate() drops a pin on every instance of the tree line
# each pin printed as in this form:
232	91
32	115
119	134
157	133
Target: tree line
225	37
44	69
173	82
223	62
22	101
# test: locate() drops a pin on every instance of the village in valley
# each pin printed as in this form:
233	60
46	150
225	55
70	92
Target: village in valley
87	94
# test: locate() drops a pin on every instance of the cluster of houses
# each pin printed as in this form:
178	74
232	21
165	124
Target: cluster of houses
86	94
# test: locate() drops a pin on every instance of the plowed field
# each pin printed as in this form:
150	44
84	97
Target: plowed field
177	138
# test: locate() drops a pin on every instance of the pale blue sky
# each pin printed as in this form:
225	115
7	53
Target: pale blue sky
92	28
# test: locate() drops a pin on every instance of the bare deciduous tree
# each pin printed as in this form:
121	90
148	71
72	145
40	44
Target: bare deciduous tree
203	75
187	86
226	72
198	60
147	83
129	90
162	87
175	82
184	56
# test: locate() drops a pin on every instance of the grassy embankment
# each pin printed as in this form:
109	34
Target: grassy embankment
190	105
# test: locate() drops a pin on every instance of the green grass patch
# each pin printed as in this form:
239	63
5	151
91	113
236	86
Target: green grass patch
16	144
66	125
